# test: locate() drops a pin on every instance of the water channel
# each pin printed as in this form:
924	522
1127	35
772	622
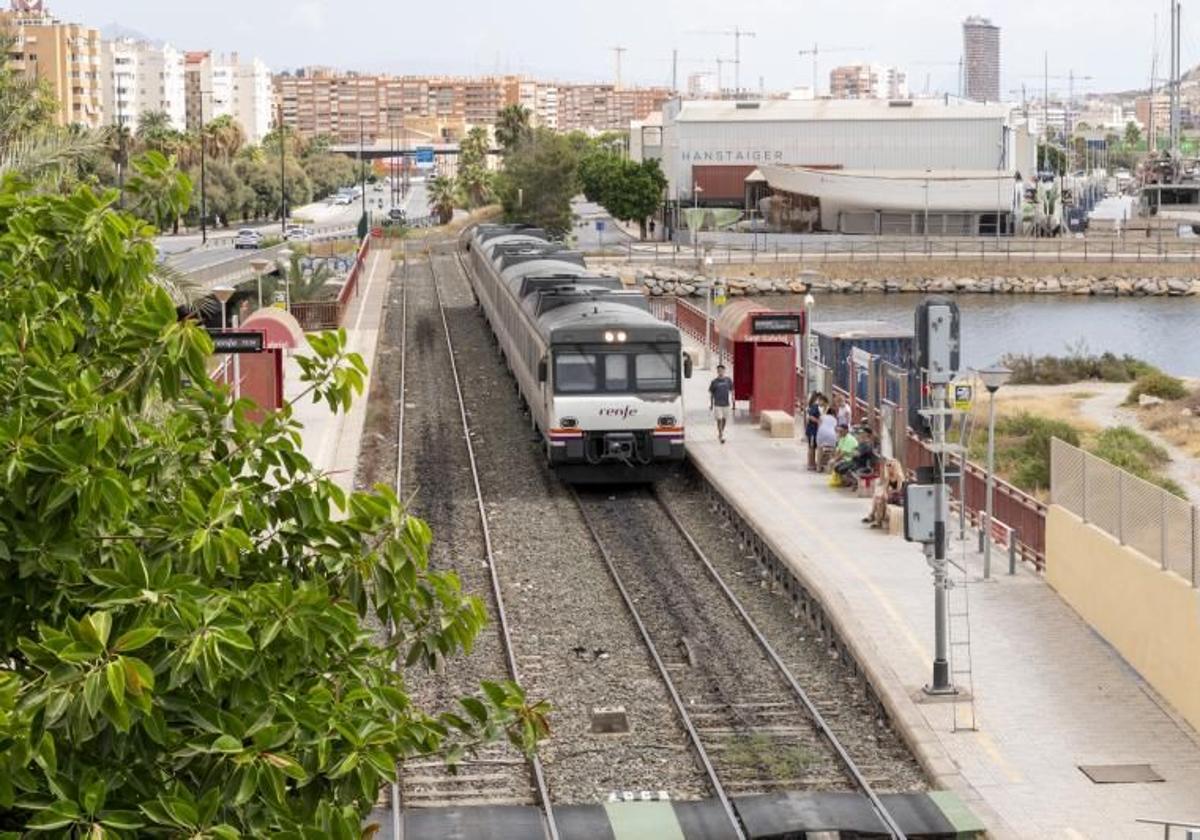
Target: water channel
1159	330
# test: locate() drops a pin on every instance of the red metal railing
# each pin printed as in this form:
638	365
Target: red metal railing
328	314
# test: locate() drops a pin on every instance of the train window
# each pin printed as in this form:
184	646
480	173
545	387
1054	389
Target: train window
616	372
575	373
657	371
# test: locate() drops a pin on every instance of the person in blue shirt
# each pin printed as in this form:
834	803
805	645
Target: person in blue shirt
720	400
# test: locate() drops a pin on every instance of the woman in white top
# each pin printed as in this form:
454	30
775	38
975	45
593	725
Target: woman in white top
827	431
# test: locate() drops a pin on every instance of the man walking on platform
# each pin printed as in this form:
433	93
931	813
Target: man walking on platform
720	400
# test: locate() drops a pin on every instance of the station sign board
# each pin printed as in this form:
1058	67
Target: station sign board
235	341
964	396
425	154
776	324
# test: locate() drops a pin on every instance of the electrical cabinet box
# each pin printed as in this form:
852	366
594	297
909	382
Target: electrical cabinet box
937	334
920	510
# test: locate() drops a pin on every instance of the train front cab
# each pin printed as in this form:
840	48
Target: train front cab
616	407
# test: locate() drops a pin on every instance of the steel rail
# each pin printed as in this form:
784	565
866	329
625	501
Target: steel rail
397	820
680	707
856	775
550	825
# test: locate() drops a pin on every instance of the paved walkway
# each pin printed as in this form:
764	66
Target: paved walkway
1050	693
331	441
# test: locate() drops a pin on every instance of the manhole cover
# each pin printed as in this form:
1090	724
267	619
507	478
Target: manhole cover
1120	774
609	720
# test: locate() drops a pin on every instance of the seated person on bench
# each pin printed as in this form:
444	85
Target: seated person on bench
888	491
863	462
847	445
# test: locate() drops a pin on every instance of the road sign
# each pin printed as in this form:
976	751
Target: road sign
230	341
599	226
964	396
425	154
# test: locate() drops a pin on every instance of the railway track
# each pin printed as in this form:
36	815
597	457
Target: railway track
751	725
494	775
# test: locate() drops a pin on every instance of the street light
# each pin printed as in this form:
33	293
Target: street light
993	378
285	268
259	266
708	301
223	294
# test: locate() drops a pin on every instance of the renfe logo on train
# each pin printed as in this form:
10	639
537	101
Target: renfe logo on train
624	412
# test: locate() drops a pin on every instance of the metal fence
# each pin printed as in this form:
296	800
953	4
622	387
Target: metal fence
870	249
328	314
1136	513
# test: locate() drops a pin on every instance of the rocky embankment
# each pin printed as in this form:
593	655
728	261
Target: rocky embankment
676	282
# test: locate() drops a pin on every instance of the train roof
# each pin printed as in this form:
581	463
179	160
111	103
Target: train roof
586	322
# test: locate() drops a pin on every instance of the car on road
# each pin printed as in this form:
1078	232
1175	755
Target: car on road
397	214
247	238
297	233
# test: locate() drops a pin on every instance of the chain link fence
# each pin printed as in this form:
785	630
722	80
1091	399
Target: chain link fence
1135	512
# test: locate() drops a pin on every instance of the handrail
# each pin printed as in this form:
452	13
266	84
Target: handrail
1168	825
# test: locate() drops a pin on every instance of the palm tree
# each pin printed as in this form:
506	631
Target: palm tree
224	137
512	126
155	131
160	192
443	196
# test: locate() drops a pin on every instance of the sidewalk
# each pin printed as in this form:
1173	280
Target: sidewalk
331	441
1050	694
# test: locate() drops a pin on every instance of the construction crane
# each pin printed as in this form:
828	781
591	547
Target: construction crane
618	52
738	34
957	64
816	51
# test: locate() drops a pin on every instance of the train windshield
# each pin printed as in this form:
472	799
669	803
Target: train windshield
652	368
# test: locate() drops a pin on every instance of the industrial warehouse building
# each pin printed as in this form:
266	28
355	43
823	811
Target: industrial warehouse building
897	163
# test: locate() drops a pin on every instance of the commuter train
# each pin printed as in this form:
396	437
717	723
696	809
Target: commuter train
601	376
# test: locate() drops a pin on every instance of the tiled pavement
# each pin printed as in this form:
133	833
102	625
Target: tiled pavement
1050	693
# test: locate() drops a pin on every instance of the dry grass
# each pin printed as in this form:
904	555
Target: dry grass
1064	407
1174	424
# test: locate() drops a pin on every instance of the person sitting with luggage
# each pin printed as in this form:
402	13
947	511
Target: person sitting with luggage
863	462
847	445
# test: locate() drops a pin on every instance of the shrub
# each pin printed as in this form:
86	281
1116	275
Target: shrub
1157	384
1135	453
1023	448
1077	367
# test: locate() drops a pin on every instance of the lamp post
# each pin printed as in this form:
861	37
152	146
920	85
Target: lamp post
259	266
203	187
283	208
285	268
809	303
223	294
993	378
708	301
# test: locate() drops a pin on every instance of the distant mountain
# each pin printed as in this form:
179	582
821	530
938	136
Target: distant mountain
115	31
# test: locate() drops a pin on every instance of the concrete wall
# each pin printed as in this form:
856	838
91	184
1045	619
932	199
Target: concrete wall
1150	616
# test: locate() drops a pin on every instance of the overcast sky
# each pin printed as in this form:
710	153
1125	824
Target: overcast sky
1111	40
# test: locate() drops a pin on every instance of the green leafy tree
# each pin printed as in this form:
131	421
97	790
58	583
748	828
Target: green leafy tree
475	183
512	126
158	191
443	196
629	191
184	646
539	180
227	196
224	137
328	173
155	132
1133	134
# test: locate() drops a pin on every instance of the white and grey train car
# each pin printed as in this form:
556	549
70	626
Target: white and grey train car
602	377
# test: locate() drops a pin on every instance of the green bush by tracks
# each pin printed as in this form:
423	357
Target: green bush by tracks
1075	367
1157	384
1136	454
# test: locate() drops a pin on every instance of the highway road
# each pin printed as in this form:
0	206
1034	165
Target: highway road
186	253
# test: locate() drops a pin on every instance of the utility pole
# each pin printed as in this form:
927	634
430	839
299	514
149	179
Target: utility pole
203	193
675	71
619	51
362	167
1176	71
282	174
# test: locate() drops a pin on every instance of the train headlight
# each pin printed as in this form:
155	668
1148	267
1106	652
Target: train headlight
621	336
666	420
610	337
568	423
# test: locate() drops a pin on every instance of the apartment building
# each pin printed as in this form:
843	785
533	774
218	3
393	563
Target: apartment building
137	77
981	51
867	81
316	101
67	55
219	85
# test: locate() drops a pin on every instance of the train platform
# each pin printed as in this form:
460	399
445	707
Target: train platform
1050	695
331	441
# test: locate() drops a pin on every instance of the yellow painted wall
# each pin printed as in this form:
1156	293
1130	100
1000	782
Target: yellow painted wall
1150	616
